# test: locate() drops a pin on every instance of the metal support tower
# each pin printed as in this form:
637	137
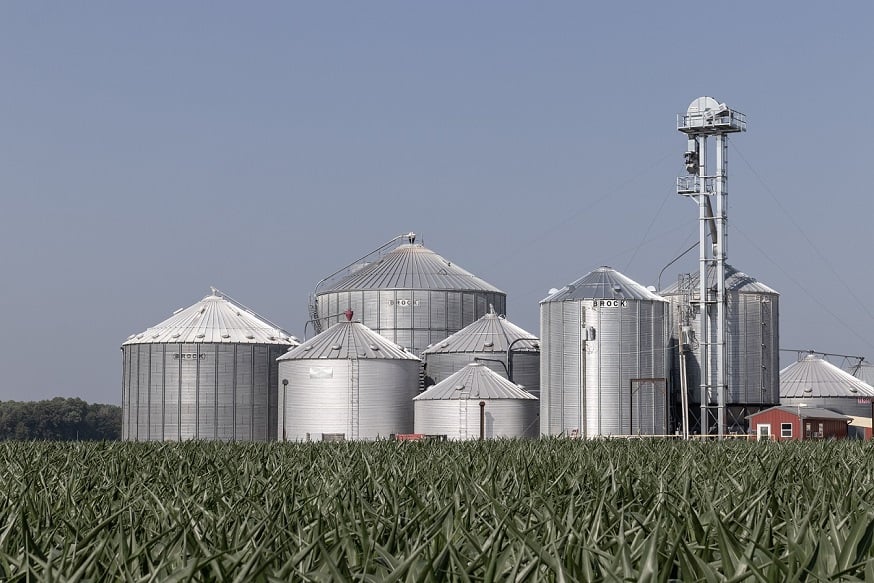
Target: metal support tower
706	118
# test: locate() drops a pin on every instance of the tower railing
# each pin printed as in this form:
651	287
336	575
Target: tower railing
718	121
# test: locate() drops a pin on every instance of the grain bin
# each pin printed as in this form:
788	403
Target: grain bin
476	398
603	358
494	342
347	383
207	372
412	296
752	345
815	382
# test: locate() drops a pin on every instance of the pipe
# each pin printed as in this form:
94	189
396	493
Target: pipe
510	355
674	260
482	420
499	361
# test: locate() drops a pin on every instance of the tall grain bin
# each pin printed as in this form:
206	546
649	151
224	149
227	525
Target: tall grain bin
494	342
457	405
207	372
411	296
348	382
752	346
815	382
603	359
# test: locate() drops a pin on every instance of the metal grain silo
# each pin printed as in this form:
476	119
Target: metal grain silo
603	358
347	382
494	342
457	405
815	382
411	295
207	372
752	346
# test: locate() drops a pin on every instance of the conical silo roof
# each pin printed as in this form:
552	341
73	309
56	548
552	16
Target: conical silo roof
813	376
474	381
348	341
603	283
491	333
735	280
411	266
214	319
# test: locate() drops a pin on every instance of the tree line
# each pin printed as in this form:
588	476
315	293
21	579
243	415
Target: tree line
61	419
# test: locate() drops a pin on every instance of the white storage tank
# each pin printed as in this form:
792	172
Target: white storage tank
411	295
453	407
494	342
603	358
207	372
347	383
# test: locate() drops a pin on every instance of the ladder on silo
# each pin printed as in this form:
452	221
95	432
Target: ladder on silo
462	414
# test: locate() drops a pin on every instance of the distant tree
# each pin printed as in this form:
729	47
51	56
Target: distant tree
61	419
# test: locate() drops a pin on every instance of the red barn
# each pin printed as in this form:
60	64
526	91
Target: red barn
795	423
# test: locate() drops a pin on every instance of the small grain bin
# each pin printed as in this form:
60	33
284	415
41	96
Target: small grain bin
494	342
347	383
476	399
603	358
207	372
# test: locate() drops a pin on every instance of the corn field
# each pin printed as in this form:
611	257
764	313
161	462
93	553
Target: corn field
553	510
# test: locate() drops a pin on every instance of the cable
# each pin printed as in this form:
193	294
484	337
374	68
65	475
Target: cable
512	253
803	234
821	304
648	229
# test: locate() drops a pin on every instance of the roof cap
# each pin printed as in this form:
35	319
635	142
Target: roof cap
215	318
603	283
474	381
815	377
410	266
491	333
348	341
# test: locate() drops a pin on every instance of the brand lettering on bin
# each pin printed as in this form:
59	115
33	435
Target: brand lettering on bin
403	303
610	303
189	356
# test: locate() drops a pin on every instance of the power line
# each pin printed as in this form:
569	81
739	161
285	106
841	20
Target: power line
803	233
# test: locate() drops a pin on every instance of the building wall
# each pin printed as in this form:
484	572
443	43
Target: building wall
830	428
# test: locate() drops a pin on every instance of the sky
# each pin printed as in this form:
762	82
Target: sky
149	151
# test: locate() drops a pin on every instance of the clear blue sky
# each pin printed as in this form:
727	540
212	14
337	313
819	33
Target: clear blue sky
149	150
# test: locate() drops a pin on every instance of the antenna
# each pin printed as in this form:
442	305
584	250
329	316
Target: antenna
705	118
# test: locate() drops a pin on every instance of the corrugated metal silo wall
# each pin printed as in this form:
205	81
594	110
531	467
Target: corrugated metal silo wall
362	399
413	319
752	351
526	366
460	418
561	367
199	391
586	387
